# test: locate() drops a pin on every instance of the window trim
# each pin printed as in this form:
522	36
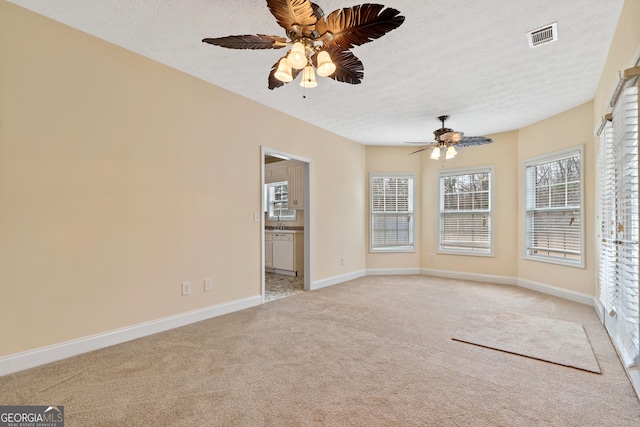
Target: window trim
271	203
393	249
466	171
546	158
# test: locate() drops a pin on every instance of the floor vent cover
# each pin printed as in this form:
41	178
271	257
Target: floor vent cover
543	35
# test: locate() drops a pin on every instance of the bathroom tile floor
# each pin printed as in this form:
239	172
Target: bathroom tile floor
279	286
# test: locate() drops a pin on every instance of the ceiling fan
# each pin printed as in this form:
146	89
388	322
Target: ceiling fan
317	42
447	139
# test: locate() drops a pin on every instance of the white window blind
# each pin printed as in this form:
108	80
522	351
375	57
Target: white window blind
465	211
278	201
554	224
392	212
607	212
618	274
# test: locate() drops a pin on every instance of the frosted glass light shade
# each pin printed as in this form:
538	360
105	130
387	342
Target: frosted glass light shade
456	136
283	73
435	154
308	77
297	57
451	153
325	66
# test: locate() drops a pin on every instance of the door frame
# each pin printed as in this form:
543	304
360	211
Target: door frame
308	213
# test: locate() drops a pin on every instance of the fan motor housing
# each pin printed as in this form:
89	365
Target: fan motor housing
439	132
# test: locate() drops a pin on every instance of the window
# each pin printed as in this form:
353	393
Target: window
465	211
392	213
278	202
554	213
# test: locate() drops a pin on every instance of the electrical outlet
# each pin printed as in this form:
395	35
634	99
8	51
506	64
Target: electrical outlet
432	257
208	285
342	261
186	289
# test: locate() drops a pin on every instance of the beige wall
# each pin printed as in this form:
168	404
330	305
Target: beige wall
120	178
395	160
501	154
109	165
625	45
507	154
568	129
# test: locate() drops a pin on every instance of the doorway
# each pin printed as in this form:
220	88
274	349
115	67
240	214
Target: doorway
301	231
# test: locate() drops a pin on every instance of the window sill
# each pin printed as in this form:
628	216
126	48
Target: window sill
467	253
576	264
392	250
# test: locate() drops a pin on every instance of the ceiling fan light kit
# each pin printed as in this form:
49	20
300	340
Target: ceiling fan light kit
325	66
319	44
297	56
283	73
308	77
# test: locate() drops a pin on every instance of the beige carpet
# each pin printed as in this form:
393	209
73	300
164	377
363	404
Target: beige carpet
551	340
375	351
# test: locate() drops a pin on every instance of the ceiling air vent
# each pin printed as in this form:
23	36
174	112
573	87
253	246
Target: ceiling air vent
543	35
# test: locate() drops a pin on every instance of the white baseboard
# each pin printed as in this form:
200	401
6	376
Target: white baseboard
476	277
600	311
558	292
40	356
337	279
392	271
506	280
544	288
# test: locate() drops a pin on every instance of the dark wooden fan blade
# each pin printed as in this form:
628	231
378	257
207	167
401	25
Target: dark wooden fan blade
292	13
349	68
259	41
420	150
359	24
467	141
317	11
470	141
274	83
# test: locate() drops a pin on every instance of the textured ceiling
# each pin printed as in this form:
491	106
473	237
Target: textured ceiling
465	58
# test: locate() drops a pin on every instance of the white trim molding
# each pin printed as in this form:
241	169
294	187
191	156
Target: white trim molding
467	248
506	280
574	296
476	277
330	281
529	191
392	271
600	310
40	356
